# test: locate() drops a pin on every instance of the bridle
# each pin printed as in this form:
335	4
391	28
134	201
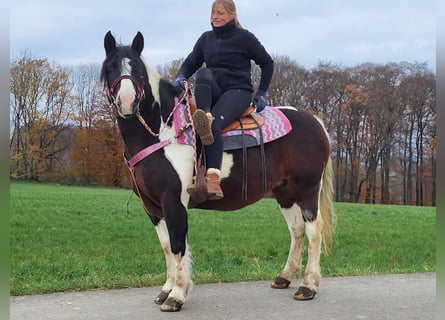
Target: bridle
139	87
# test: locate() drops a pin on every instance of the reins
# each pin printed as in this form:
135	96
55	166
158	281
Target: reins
147	127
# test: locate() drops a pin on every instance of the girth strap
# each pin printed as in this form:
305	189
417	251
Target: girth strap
245	162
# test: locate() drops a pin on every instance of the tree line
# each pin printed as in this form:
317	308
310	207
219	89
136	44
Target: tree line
381	119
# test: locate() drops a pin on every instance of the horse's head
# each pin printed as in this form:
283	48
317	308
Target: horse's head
124	75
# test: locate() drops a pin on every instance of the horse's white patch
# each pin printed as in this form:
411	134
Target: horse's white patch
126	67
313	273
293	216
183	275
287	108
295	224
162	232
227	165
164	239
311	230
179	268
182	159
127	92
153	78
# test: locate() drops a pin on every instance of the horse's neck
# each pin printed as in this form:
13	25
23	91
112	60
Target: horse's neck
167	100
135	136
161	95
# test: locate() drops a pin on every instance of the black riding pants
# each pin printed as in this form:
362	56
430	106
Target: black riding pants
225	107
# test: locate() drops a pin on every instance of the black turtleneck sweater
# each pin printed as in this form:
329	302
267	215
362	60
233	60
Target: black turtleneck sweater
228	51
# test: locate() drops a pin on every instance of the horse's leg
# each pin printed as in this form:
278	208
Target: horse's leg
292	269
164	239
319	228
183	282
302	216
175	289
312	275
179	256
173	231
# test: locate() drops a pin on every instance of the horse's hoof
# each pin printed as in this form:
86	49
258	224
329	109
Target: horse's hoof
304	294
162	296
171	305
280	283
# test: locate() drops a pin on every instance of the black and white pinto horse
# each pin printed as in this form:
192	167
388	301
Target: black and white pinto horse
298	172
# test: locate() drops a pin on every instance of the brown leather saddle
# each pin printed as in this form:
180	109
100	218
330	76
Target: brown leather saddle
249	120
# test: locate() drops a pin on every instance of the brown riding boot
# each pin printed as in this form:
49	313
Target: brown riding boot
213	188
202	122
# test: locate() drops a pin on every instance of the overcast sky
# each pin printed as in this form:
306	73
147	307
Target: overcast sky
343	32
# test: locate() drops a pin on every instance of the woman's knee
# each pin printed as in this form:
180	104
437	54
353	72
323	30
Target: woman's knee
204	74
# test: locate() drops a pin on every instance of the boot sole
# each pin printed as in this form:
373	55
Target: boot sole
215	196
202	127
199	198
196	196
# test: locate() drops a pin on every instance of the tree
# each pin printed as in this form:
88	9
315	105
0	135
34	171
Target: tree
85	78
27	85
170	70
40	109
417	93
96	133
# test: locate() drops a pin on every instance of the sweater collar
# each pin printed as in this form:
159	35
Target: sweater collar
226	30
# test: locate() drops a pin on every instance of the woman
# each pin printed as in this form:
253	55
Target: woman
223	88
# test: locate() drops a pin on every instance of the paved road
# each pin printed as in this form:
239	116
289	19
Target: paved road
407	296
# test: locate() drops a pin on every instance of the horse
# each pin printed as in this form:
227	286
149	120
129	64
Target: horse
296	170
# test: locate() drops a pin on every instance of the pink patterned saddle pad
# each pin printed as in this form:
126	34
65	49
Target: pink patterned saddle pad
276	125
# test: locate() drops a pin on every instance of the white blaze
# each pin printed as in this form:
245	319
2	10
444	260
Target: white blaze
127	93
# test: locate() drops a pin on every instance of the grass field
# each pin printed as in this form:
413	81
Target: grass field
77	238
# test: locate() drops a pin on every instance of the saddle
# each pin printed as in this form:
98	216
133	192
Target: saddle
252	129
249	120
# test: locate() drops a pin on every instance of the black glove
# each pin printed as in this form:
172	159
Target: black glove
259	101
179	82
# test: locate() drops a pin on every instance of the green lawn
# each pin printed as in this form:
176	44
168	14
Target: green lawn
76	238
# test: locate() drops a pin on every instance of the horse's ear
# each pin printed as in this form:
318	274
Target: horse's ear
109	42
138	43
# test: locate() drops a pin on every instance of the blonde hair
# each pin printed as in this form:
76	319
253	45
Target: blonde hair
230	7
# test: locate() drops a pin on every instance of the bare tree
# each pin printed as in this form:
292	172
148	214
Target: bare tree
85	78
417	93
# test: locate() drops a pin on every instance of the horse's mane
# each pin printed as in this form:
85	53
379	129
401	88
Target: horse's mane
154	78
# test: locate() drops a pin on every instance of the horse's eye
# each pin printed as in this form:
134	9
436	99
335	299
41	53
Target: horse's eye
109	67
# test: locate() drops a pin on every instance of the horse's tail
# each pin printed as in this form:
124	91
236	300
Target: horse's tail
327	207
